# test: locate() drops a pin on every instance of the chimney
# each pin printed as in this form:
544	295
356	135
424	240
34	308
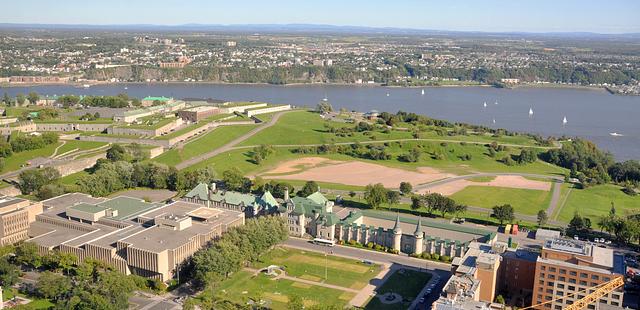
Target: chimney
212	188
286	194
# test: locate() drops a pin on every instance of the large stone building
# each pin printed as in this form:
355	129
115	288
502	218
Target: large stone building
570	269
133	236
197	114
15	216
249	204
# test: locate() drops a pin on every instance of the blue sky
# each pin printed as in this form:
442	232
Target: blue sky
604	16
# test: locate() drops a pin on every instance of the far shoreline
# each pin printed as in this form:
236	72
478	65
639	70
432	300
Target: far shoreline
374	85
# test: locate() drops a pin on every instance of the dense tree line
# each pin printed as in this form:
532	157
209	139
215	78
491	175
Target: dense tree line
587	163
20	142
369	151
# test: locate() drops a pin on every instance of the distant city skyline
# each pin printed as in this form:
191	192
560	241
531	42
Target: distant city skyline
616	16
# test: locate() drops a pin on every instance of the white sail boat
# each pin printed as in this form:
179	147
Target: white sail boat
494	120
564	121
422	92
387	94
496	103
530	112
484	104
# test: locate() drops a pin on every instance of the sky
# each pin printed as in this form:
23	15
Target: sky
602	16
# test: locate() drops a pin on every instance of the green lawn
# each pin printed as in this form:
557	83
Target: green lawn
303	127
408	283
595	202
209	142
16	160
80	146
36	303
525	201
72	178
311	266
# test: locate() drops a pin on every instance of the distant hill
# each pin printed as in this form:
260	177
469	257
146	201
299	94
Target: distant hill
308	29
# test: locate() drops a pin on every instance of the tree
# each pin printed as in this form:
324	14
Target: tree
576	224
309	188
375	195
53	286
33	97
31	180
27	254
49	191
445	205
20	99
6	99
417	202
234	180
9	274
406	188
542	218
393	197
117	152
324	107
459	209
261	152
503	213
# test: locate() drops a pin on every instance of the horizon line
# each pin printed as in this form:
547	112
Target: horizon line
52	25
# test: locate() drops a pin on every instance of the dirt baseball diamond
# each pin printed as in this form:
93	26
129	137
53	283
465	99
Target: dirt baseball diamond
510	181
354	173
301	164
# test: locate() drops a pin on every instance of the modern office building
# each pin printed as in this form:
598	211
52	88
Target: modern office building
133	236
568	270
15	216
196	114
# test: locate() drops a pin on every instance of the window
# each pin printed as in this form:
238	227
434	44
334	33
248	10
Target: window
562	279
559	293
594	277
560	285
573	273
583	283
572	280
572	288
583	275
552	269
563	271
551	276
606	279
542	267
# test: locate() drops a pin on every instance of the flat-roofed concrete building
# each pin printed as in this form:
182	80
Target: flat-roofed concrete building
567	270
196	114
133	236
15	216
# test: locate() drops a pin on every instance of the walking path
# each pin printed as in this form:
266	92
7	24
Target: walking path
229	146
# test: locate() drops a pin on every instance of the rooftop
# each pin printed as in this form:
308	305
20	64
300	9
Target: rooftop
88	208
568	246
128	207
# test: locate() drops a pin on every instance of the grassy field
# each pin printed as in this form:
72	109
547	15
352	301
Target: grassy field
209	142
302	127
525	201
72	178
245	285
36	303
408	283
16	160
311	266
595	202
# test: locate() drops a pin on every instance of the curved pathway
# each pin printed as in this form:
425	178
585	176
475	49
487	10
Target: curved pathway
229	146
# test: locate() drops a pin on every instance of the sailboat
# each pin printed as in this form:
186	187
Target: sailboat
387	94
422	92
494	120
530	112
496	103
484	104
564	121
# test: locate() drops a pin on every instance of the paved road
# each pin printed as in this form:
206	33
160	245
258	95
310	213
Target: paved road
229	146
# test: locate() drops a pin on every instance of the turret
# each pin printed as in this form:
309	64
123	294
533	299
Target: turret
397	234
419	238
286	194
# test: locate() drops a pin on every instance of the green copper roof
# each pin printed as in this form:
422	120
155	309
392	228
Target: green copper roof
328	219
201	191
234	198
318	198
268	200
149	98
306	206
396	227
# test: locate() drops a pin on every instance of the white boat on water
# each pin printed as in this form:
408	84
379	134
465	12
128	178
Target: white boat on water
387	94
86	85
615	134
496	103
126	87
530	112
484	104
564	121
422	92
494	120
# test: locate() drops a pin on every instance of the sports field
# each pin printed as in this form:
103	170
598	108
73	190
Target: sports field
595	202
525	201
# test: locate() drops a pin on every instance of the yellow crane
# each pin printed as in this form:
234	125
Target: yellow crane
601	290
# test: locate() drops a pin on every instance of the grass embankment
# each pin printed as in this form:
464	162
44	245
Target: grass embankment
524	201
16	160
209	142
79	146
595	202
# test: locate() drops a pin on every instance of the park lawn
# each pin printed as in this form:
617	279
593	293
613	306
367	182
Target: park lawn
595	202
16	160
80	146
243	286
203	144
304	127
524	201
36	303
311	266
72	178
406	282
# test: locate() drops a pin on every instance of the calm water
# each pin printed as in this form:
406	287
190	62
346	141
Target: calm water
590	114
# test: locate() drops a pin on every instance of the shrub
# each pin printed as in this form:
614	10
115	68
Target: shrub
370	244
426	255
445	258
435	256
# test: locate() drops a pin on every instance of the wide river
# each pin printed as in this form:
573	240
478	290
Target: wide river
592	114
